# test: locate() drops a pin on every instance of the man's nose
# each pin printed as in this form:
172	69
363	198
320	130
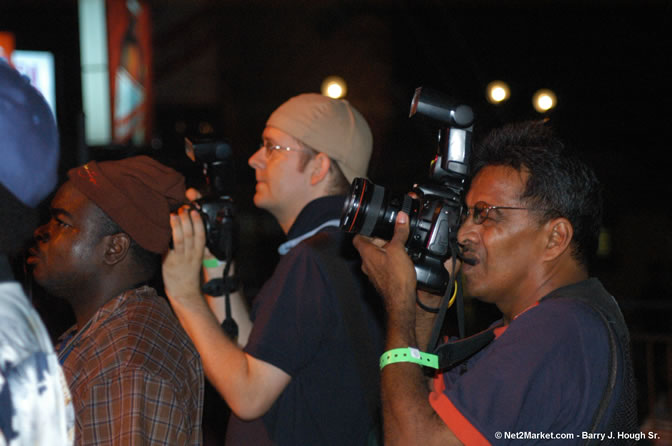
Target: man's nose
258	159
41	234
467	231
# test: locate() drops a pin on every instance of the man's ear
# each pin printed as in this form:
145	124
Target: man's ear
559	236
319	168
116	247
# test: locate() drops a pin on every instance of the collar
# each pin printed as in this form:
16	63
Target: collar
320	213
68	340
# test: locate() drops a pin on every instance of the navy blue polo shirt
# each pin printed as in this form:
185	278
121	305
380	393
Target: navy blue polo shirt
544	375
298	327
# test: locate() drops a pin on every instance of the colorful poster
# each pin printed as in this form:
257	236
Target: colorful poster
130	69
6	45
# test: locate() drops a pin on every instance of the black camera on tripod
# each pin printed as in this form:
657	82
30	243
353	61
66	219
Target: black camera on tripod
434	209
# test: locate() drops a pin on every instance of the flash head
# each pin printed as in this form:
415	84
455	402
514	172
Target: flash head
435	105
208	152
435	209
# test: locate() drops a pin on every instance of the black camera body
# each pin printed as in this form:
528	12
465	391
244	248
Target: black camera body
216	206
434	209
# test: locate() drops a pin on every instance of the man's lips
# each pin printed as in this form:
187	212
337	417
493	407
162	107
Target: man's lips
464	255
469	261
33	256
468	265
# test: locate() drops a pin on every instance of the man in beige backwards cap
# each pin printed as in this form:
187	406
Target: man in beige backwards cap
297	382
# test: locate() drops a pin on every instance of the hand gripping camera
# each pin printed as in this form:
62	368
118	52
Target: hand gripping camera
218	214
216	206
434	209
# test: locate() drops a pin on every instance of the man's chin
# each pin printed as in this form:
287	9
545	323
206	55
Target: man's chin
259	201
472	288
35	267
36	275
263	200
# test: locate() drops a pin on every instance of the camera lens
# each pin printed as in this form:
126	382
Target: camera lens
370	211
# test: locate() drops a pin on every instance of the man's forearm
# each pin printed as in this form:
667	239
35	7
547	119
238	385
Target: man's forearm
424	320
408	418
248	385
225	364
424	323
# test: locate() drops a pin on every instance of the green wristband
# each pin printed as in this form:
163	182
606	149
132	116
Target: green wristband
211	263
409	354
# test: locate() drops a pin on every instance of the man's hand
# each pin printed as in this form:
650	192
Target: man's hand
249	386
390	269
407	414
182	264
193	194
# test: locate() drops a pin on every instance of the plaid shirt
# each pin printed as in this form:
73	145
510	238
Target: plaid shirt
134	375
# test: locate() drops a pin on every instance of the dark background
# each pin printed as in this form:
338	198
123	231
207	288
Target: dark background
225	65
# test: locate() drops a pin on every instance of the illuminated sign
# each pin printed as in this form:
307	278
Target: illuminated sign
116	71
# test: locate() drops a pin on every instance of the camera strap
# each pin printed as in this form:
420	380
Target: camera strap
452	353
443	306
225	285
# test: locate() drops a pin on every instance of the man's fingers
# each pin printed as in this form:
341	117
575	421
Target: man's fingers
178	235
401	228
198	227
364	244
360	242
187	228
193	194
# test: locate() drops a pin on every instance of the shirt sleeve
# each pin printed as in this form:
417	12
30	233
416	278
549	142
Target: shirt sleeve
131	408
544	374
292	312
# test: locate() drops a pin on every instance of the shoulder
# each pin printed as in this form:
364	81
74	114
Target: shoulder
329	240
145	334
566	315
329	244
310	253
300	284
562	328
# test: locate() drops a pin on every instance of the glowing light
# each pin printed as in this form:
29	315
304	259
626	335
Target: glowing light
497	92
544	100
334	87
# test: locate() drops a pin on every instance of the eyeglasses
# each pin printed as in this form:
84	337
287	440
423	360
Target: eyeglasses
272	148
481	210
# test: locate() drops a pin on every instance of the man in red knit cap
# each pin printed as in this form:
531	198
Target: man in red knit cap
135	376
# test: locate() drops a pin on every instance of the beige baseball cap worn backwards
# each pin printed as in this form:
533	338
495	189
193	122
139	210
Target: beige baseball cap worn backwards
331	126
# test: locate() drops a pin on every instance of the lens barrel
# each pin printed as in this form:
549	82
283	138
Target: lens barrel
371	211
